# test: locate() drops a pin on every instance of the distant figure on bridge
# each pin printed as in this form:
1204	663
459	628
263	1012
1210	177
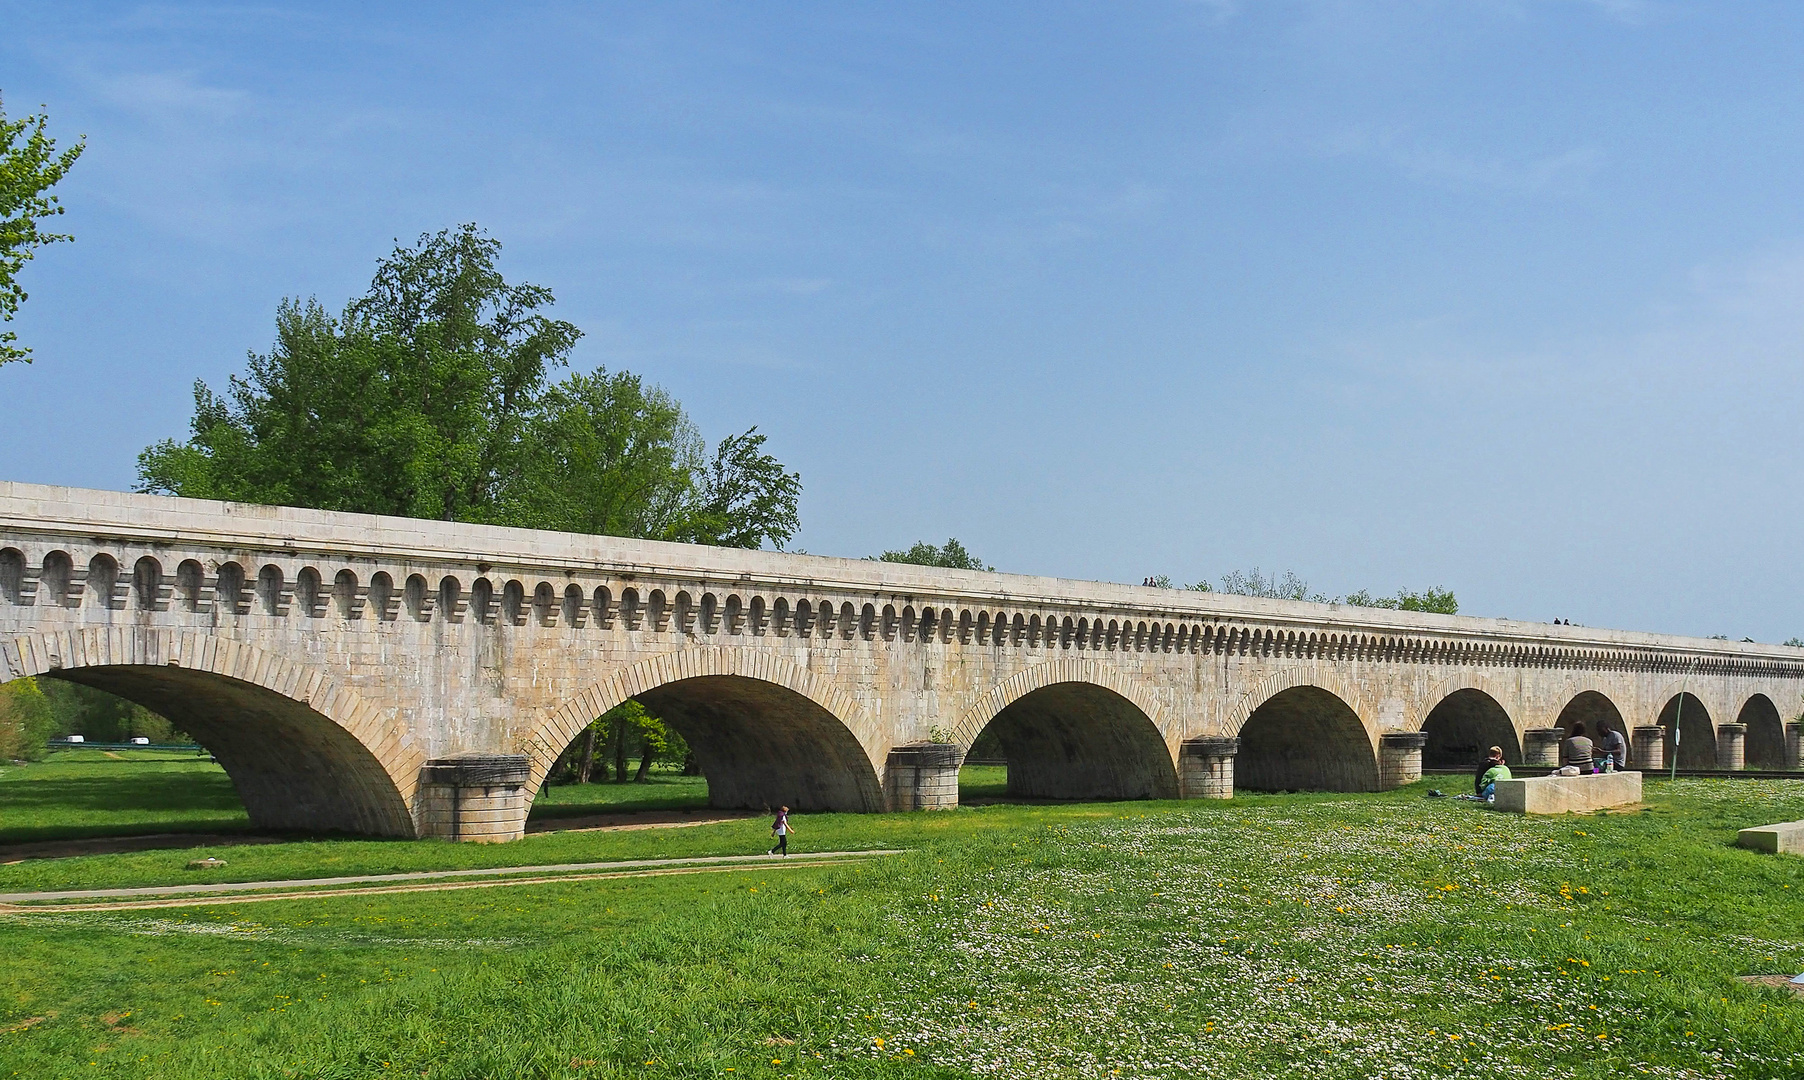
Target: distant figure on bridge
1495	770
1615	749
781	829
1576	750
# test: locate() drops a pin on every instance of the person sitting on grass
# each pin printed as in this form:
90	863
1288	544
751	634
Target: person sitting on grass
1576	750
1487	784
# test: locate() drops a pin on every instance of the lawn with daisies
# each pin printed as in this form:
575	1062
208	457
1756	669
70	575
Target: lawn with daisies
1316	936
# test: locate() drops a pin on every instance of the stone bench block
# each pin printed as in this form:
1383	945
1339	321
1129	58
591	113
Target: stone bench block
1785	838
1568	794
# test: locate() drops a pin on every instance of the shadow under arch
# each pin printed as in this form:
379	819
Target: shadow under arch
1463	726
1765	744
292	741
1305	738
1597	712
1697	733
1082	741
765	732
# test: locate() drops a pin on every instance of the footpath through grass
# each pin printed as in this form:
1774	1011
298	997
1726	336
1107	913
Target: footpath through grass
1322	936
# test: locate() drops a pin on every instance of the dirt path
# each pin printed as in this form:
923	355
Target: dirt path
237	891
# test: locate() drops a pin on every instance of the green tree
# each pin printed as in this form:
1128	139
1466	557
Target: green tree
1438	601
1291	587
430	396
745	498
27	721
604	454
1796	643
411	403
951	555
29	168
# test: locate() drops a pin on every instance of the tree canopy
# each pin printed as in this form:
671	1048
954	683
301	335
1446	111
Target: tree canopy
432	396
951	555
29	168
1254	582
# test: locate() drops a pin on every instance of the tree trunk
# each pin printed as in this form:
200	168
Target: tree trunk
586	764
644	765
691	767
620	751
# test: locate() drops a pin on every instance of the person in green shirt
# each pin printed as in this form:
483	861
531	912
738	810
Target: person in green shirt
1487	783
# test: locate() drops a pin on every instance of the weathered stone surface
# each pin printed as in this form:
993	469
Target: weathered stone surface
1785	838
922	776
1568	794
1400	758
1731	745
1647	747
1206	767
1541	746
325	659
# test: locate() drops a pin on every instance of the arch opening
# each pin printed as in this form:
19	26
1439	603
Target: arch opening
1463	728
293	768
1697	732
1079	741
1598	713
1305	738
763	745
1765	746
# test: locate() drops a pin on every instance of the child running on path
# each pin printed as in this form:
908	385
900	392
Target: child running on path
781	829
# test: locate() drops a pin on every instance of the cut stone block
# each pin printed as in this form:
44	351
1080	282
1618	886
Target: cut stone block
1568	794
1785	838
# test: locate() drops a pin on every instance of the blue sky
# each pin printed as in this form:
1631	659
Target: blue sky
1501	296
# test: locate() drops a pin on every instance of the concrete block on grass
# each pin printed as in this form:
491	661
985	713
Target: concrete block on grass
1785	838
1568	794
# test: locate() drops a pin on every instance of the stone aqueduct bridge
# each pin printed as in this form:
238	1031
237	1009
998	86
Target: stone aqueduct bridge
401	677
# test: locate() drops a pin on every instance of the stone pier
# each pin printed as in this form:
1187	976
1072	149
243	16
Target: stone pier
1206	768
1400	758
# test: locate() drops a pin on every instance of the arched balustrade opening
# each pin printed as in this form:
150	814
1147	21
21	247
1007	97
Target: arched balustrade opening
1463	727
1080	741
1305	739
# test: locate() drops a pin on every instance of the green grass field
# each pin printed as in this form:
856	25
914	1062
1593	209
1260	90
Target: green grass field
1327	936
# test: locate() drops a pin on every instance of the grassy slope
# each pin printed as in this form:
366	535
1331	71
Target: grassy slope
1334	936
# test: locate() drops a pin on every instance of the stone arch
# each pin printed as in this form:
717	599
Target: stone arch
1697	744
1304	732
1075	729
303	749
1765	746
1465	721
765	731
1595	709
